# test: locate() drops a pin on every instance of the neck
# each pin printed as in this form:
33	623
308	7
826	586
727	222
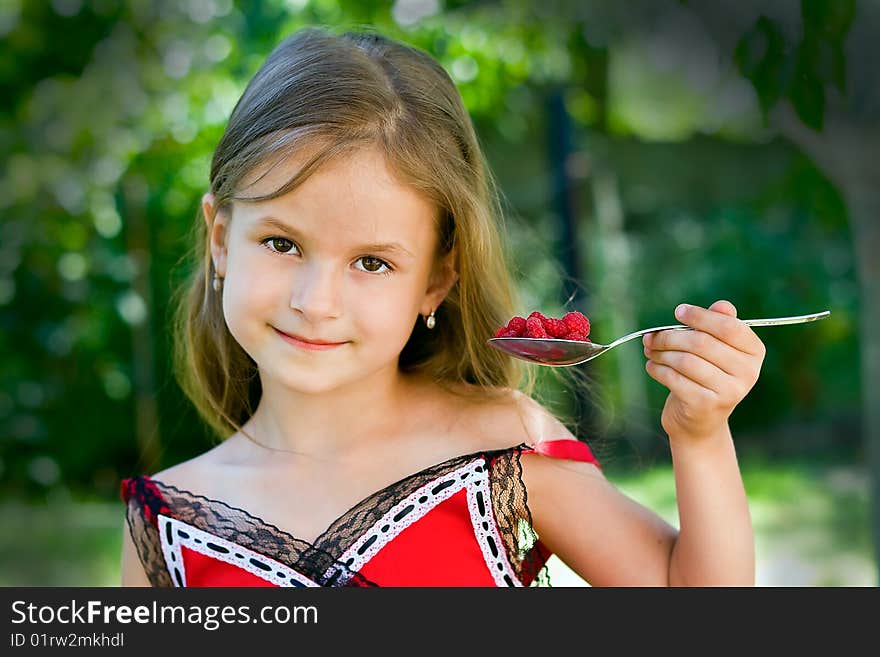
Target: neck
327	425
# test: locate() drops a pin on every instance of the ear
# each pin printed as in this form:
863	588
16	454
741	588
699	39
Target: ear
217	223
442	279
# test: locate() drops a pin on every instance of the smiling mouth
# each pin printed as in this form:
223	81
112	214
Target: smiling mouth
303	343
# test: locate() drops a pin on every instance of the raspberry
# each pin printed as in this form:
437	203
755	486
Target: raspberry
574	326
515	328
576	322
555	328
517	325
534	328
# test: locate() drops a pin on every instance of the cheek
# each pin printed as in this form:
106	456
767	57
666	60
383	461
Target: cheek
239	313
249	292
387	313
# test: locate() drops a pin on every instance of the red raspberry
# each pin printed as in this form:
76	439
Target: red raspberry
515	328
534	328
574	326
517	325
555	328
575	321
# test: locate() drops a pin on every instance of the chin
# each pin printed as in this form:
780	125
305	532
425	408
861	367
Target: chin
310	383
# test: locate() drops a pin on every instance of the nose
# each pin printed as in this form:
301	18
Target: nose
317	291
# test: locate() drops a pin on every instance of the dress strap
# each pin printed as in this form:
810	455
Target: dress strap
144	503
566	448
146	496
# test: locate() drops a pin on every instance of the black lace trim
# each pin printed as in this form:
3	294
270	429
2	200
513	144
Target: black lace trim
147	498
527	555
143	507
151	497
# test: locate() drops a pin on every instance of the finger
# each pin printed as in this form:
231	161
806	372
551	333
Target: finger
678	384
706	346
695	368
727	329
723	306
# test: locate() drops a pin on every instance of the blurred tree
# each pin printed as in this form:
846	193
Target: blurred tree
819	89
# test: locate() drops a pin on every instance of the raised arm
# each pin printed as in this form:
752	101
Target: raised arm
716	544
708	372
608	538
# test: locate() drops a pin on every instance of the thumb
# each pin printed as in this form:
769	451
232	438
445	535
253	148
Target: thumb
723	307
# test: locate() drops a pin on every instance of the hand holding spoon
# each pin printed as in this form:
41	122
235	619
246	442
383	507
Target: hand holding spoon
556	352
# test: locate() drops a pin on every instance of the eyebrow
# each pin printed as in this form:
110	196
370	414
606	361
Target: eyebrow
389	247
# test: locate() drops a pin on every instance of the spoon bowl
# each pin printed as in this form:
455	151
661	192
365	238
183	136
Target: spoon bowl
556	352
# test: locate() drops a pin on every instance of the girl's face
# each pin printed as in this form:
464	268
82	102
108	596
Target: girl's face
347	258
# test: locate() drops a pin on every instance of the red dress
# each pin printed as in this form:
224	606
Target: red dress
463	522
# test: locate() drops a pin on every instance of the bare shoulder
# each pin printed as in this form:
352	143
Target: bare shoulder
187	475
511	418
546	477
193	473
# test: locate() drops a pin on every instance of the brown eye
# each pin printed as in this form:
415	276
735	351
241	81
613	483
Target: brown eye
279	244
373	265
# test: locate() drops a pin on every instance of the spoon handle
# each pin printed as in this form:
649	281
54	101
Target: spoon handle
770	321
632	336
778	321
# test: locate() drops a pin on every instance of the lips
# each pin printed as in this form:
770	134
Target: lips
307	343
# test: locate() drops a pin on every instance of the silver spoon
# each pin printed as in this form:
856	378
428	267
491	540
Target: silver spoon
557	352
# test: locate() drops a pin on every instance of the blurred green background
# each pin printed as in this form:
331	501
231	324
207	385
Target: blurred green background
648	152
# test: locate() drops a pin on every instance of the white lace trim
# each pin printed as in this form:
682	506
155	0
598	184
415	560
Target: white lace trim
479	498
171	551
475	478
174	534
407	511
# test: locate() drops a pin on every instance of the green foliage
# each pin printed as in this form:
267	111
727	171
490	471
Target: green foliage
801	71
761	57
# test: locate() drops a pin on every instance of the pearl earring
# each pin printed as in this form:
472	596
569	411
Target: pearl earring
218	282
431	321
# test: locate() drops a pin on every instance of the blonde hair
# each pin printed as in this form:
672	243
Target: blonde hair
325	95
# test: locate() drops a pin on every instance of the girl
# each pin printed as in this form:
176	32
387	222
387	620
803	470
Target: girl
351	272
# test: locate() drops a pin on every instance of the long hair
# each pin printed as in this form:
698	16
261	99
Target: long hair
324	95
